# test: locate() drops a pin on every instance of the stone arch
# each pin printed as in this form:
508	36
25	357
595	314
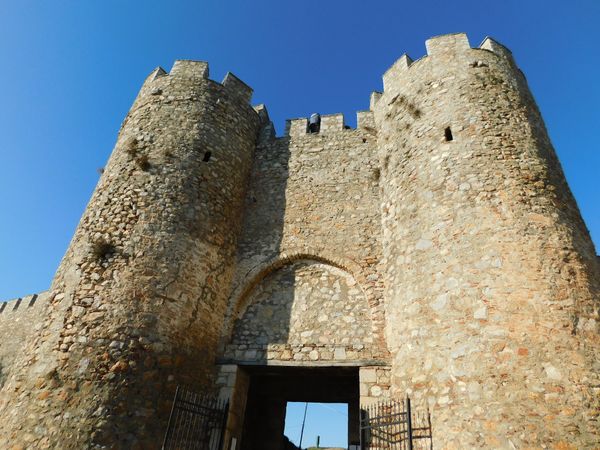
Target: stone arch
304	303
255	275
242	292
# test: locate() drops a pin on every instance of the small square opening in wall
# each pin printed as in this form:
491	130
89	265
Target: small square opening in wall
448	134
207	156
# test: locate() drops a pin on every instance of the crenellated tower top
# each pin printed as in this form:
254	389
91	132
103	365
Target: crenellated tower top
197	71
447	47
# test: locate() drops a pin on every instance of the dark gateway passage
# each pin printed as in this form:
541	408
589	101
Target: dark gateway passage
272	387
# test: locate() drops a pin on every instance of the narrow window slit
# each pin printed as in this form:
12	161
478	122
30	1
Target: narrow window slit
448	134
206	157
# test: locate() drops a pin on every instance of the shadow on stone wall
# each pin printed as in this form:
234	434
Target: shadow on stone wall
301	291
263	220
304	311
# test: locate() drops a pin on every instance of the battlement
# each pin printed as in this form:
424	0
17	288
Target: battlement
447	46
10	308
191	70
330	123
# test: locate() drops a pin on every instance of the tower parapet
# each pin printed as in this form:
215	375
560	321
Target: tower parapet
491	277
330	124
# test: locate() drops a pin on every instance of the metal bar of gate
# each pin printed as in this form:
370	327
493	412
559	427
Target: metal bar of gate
190	419
409	424
430	430
389	425
196	421
213	422
193	420
363	415
169	430
185	421
223	426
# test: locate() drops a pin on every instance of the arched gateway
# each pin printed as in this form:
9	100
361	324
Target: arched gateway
302	332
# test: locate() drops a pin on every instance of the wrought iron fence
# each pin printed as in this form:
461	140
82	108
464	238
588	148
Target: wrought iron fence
393	425
197	422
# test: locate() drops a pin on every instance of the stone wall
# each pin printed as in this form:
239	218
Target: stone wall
491	277
313	197
233	383
19	319
305	311
374	384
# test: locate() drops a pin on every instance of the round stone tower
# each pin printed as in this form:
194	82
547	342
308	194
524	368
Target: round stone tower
140	295
492	281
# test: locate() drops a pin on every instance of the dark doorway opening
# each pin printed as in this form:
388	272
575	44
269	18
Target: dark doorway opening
271	388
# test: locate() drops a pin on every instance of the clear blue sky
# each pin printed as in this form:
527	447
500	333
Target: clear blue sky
327	420
71	69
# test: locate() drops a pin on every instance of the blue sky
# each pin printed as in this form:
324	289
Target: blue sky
327	420
71	69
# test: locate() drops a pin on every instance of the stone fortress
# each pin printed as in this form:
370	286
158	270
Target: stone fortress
435	250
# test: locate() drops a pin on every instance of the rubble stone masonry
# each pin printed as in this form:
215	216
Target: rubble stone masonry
491	277
436	247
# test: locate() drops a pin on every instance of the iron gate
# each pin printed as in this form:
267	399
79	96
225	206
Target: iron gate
197	422
393	425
